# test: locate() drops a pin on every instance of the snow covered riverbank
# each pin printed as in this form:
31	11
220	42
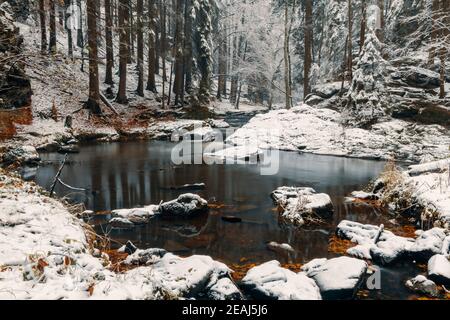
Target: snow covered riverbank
319	131
47	253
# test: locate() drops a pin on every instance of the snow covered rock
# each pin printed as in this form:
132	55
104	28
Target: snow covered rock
338	278
23	155
427	244
224	289
421	284
420	77
299	203
186	205
364	196
144	257
204	134
387	249
271	281
218	123
137	215
121	223
239	154
187	277
439	269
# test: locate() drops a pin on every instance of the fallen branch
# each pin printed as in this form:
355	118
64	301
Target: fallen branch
70	187
55	180
108	104
380	232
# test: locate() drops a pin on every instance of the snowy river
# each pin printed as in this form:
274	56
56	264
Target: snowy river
133	174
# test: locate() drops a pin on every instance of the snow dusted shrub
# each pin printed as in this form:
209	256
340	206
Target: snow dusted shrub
399	196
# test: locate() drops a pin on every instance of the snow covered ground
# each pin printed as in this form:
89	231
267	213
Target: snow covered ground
46	253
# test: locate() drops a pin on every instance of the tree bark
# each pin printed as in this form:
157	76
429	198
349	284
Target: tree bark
362	33
287	80
434	32
179	79
109	43
151	82
308	47
140	47
52	42
123	51
43	26
350	41
94	88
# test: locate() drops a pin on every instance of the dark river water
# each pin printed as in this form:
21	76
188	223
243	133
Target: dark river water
133	174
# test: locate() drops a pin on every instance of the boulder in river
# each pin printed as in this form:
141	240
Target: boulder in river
224	289
300	203
23	155
421	284
439	269
121	223
373	242
137	215
188	277
338	278
427	244
186	205
271	281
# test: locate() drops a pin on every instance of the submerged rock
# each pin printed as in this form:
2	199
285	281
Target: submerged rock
271	281
185	206
279	247
300	203
439	269
421	284
338	278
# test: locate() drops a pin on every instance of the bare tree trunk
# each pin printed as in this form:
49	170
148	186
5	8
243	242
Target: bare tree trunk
287	80
308	47
94	88
151	82
109	43
445	38
68	27
350	41
188	47
140	46
362	33
123	51
434	32
131	32
382	20
52	43
43	26
179	81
